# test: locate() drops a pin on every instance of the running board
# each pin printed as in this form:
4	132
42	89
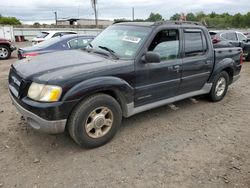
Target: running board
131	110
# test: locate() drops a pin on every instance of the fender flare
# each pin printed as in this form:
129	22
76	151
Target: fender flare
123	91
226	63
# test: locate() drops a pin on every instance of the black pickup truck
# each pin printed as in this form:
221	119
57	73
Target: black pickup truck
127	69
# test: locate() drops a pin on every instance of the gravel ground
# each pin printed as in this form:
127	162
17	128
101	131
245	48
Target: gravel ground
195	143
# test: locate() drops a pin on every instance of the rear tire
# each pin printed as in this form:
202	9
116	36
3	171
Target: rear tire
95	121
220	86
5	52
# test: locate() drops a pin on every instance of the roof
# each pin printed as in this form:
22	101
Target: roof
150	24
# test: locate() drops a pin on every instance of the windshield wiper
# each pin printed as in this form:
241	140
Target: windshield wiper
110	51
90	45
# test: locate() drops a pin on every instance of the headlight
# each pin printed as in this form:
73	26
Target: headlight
45	93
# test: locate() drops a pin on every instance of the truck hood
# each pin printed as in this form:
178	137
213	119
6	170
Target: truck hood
61	65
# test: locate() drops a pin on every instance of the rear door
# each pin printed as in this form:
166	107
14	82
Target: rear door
158	81
197	61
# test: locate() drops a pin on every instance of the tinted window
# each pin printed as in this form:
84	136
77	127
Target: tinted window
229	36
195	43
166	43
79	42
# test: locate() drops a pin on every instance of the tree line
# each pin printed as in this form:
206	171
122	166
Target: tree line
9	20
224	20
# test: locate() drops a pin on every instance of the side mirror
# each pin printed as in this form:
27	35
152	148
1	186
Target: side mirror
152	57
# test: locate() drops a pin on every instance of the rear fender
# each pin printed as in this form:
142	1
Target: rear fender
220	66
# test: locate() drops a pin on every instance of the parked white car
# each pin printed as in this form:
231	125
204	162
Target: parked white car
45	35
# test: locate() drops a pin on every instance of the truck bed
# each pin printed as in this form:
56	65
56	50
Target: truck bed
221	53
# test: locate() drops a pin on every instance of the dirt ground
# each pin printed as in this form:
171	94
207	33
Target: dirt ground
197	144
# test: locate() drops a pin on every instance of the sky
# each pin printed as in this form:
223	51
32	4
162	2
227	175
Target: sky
30	11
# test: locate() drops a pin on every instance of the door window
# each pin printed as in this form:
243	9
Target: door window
79	43
167	44
195	43
230	36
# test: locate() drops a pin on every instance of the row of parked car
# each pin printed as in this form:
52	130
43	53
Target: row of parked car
229	38
46	42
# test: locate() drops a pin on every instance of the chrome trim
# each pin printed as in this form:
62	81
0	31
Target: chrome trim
38	123
131	110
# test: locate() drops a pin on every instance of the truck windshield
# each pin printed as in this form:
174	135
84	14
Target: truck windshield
123	40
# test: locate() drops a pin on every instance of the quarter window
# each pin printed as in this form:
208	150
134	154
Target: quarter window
195	43
167	44
241	37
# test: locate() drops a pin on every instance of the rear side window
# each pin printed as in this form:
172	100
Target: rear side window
229	36
241	37
195	43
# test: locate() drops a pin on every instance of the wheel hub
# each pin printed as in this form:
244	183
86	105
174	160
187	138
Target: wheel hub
3	52
99	121
220	87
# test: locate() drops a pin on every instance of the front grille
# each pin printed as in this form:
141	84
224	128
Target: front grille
17	85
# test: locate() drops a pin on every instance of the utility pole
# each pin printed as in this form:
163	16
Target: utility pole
55	17
94	5
133	13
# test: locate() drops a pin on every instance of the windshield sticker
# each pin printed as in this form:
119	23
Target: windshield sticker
131	39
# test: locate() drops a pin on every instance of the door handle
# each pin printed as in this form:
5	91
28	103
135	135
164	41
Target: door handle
208	62
176	68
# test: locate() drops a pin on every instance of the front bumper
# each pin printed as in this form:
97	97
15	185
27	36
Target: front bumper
38	123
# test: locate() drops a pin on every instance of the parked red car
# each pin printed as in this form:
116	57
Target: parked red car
6	48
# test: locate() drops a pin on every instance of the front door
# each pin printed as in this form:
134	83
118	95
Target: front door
158	81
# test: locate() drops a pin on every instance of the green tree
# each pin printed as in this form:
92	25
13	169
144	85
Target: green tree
175	17
9	21
154	17
37	24
191	17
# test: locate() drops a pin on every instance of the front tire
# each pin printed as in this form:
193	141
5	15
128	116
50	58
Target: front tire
95	121
220	87
5	52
